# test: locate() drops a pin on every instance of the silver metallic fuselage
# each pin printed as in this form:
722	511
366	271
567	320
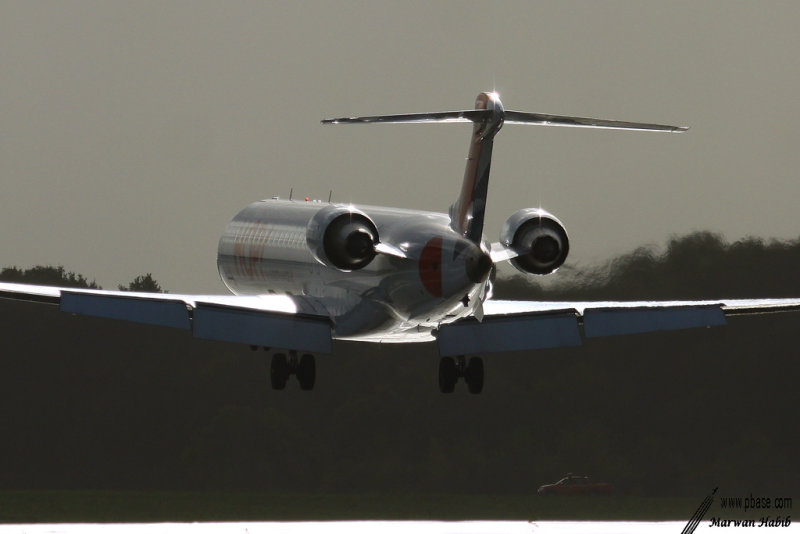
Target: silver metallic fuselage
266	250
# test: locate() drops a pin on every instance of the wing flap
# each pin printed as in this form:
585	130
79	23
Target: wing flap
729	306
279	321
602	322
510	333
153	311
617	318
239	325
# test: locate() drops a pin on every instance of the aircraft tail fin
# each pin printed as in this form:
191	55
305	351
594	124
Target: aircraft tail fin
467	212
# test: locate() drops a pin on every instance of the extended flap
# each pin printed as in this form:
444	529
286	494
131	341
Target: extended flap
599	322
155	311
268	329
509	333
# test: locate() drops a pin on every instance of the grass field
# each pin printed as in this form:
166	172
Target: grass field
107	506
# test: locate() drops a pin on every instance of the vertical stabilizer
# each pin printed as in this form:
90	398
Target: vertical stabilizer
467	213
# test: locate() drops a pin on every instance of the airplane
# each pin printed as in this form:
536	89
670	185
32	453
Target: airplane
303	273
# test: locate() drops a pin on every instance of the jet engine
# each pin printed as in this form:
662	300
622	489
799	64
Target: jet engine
539	240
342	237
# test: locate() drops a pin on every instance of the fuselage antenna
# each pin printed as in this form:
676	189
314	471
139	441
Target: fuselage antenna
290	193
330	196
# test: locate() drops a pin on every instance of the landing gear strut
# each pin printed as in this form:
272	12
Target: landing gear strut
451	369
282	367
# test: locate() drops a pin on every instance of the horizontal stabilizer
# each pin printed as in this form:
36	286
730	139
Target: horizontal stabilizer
521	117
508	117
470	115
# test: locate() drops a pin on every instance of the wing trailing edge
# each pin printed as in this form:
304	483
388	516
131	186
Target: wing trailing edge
510	333
509	325
277	321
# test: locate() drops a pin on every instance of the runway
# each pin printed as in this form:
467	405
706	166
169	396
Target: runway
366	527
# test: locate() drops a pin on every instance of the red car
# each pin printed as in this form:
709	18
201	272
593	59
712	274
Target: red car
576	485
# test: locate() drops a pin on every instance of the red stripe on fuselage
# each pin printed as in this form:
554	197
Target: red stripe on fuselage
430	266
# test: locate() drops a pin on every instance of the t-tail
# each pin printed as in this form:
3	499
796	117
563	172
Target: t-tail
467	213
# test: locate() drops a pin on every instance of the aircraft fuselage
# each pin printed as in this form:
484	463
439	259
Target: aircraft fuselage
268	248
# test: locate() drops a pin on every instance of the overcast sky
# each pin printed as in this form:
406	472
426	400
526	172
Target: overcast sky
132	132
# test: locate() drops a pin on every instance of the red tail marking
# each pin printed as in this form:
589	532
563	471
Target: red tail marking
430	266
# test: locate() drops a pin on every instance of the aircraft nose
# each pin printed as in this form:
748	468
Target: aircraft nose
478	264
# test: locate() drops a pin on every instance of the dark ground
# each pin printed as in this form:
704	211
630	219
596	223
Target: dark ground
92	403
179	506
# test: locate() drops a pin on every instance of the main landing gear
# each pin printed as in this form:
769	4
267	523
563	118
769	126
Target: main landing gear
451	369
282	367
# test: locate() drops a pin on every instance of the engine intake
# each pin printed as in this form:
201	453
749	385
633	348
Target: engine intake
342	237
538	238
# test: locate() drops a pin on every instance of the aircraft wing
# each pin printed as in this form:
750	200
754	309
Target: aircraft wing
510	325
279	321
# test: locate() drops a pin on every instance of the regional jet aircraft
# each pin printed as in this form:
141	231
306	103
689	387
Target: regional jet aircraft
304	273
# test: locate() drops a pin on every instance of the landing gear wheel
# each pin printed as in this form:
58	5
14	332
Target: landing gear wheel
307	372
473	375
448	375
279	371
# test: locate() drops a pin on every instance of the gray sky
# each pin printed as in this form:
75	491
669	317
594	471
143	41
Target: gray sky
132	132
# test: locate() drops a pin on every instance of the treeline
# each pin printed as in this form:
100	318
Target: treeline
93	403
47	275
701	265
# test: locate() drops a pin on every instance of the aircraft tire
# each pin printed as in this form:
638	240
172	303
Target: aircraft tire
473	375
448	375
307	372
278	371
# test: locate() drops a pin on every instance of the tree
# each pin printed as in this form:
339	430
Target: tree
701	265
46	275
143	283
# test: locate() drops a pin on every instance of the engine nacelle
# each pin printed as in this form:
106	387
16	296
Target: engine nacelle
342	237
538	238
